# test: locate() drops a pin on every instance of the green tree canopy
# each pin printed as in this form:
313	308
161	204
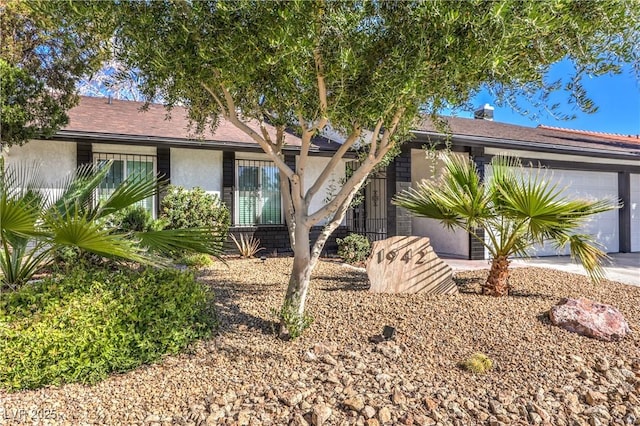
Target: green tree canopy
366	67
40	63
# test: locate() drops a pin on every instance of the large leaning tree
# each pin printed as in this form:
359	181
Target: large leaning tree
40	64
366	68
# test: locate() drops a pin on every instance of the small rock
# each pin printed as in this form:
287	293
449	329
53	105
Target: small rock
328	359
372	422
320	414
594	398
310	357
602	364
398	397
291	399
384	415
244	418
430	403
369	412
355	403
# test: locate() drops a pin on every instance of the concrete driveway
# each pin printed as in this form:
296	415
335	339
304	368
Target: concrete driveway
624	267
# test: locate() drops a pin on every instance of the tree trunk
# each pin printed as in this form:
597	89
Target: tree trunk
497	283
292	313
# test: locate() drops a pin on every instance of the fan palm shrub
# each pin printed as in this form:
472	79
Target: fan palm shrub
35	224
517	208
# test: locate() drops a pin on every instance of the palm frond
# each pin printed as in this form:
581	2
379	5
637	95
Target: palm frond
79	230
135	188
200	240
585	249
78	188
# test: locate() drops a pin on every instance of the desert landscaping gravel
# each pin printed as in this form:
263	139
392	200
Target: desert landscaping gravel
334	375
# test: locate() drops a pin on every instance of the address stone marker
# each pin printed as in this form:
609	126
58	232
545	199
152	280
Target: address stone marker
408	265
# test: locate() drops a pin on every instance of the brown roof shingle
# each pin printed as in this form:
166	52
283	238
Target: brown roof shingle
99	116
503	133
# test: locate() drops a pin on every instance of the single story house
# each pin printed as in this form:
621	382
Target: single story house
585	164
229	164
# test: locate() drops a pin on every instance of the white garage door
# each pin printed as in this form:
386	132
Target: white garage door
635	212
590	185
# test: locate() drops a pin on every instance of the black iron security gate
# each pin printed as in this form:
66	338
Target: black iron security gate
369	216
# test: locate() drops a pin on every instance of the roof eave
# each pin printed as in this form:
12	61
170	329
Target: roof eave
529	145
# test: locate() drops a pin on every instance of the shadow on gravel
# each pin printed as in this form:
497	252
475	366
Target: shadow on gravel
530	295
350	282
543	317
468	285
231	316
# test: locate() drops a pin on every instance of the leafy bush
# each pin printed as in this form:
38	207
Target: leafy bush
82	326
136	219
478	363
354	248
295	323
196	260
194	208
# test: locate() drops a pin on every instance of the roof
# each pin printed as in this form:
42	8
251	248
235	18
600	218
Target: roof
506	135
120	119
125	121
634	139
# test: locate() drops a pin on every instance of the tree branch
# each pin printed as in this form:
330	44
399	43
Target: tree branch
266	146
330	167
322	91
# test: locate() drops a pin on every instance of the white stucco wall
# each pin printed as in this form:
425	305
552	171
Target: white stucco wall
315	166
635	212
443	240
197	167
56	159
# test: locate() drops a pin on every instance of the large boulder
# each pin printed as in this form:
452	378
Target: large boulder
589	318
408	265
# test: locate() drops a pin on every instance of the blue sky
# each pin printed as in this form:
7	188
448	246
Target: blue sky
617	98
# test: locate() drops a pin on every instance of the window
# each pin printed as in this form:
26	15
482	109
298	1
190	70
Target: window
258	200
123	166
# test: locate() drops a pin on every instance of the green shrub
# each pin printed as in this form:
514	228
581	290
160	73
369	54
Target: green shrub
196	260
478	363
295	323
82	326
354	248
194	208
136	219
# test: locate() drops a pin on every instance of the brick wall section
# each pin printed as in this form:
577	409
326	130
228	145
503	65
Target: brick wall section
275	239
228	180
476	249
84	153
398	179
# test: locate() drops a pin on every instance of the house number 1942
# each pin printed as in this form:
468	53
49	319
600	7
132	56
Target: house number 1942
406	256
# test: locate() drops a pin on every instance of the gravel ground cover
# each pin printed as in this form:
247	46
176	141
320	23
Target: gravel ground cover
334	375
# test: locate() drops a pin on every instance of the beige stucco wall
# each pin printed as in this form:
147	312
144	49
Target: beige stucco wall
197	167
444	241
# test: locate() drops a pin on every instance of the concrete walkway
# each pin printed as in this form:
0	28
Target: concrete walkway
624	267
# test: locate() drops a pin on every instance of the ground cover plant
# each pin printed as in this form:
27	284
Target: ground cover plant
83	325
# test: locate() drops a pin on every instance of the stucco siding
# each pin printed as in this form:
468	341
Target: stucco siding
444	241
56	160
315	166
197	167
635	212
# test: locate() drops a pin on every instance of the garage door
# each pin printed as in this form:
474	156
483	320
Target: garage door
635	212
590	185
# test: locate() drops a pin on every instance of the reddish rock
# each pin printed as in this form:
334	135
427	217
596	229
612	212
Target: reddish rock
589	318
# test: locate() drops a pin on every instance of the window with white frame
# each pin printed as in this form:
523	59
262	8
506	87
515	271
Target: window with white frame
125	165
257	197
